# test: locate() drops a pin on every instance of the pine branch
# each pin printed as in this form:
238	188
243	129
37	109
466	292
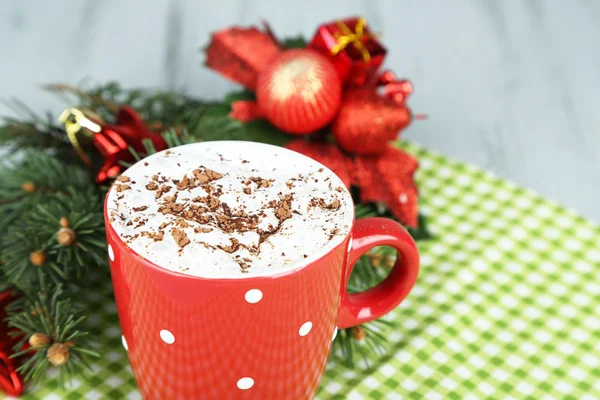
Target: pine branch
51	326
28	182
214	123
74	224
26	262
353	342
4	284
17	135
31	130
57	242
295	42
159	109
34	195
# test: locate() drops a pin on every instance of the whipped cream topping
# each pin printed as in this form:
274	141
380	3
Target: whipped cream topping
230	209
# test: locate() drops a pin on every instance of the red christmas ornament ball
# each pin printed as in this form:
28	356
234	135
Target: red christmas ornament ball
299	92
368	121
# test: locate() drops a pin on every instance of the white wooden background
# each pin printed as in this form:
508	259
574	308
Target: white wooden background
512	86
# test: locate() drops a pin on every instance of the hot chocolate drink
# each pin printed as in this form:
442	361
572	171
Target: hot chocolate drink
230	209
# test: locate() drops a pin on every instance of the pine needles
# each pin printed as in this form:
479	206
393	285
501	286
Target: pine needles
52	231
31	130
52	328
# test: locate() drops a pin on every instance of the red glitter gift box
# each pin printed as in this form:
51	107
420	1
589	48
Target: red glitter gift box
352	48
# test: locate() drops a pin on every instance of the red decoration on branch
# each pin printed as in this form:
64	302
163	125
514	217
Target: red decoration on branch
353	49
241	54
299	92
394	89
367	121
11	382
389	178
384	178
111	141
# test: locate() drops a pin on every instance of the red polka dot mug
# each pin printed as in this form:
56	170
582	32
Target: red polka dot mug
266	337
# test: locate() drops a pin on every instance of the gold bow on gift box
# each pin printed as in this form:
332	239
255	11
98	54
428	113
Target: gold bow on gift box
346	37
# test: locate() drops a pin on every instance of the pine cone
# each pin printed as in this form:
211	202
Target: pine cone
38	340
64	222
28	187
65	236
37	258
58	354
358	332
376	260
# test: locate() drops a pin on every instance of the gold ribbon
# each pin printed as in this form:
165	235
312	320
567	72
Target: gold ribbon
74	120
346	37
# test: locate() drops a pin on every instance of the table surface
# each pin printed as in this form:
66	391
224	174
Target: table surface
509	86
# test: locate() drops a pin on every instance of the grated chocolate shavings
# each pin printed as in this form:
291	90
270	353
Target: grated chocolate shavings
333	233
244	266
318	202
185	183
180	222
180	237
142	222
156	236
232	247
122	188
283	208
162	190
261	182
206	176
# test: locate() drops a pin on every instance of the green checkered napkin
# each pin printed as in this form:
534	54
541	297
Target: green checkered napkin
507	305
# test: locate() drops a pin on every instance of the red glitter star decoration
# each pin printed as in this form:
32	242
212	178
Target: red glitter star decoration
386	178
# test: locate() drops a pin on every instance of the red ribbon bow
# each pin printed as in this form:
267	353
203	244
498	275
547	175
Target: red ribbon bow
113	141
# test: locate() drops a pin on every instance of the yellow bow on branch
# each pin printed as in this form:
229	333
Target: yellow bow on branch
346	37
74	120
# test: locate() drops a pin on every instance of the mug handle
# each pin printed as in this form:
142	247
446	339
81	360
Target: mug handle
358	308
